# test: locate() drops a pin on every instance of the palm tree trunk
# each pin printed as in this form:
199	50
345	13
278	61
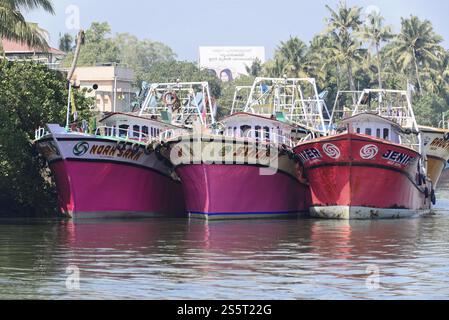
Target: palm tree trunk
351	82
417	71
379	66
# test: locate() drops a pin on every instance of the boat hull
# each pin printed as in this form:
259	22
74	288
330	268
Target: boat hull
437	151
231	178
358	177
96	180
218	192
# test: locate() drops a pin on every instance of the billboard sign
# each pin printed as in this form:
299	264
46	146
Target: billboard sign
228	63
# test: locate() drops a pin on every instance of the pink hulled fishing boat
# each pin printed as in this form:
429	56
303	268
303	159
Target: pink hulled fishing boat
243	167
372	167
116	170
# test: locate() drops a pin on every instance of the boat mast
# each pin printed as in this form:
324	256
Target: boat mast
79	43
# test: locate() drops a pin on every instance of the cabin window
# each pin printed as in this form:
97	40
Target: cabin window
123	132
368	131
267	132
386	134
245	130
136	131
358	130
145	130
378	133
258	130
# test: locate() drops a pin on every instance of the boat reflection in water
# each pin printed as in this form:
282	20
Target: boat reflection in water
182	259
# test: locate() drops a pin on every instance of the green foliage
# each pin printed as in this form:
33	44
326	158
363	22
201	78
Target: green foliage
30	97
123	48
98	48
256	68
172	71
13	25
66	43
429	109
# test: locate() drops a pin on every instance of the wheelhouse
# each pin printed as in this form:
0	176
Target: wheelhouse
251	126
132	127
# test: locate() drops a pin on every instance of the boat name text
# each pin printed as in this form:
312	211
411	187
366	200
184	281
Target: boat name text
398	157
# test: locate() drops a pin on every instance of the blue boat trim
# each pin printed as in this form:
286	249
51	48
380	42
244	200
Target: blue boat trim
246	213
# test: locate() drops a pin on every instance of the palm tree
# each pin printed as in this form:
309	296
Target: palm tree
376	33
417	45
341	25
14	27
437	77
66	43
291	55
256	68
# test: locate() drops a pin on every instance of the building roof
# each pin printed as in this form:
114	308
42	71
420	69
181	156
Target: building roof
10	47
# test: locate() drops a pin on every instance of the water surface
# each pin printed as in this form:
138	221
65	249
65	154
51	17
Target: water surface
182	259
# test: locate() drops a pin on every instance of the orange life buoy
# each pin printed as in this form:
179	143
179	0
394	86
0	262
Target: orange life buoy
170	98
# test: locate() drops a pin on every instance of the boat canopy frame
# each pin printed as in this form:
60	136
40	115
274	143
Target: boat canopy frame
296	99
180	103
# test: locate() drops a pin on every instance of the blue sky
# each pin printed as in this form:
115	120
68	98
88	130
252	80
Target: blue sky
186	25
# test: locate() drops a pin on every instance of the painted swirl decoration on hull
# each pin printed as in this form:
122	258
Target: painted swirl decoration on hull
331	151
369	152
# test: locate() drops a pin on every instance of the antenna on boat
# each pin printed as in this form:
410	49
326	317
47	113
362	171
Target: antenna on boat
79	43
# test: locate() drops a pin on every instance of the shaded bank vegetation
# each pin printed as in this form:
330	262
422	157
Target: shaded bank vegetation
30	96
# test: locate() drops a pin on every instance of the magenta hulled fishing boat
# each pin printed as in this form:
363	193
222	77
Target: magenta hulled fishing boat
243	167
117	170
111	173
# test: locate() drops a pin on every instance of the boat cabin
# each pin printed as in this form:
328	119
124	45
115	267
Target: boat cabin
247	125
134	127
374	126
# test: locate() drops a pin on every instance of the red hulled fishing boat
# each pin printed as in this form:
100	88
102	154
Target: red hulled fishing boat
371	167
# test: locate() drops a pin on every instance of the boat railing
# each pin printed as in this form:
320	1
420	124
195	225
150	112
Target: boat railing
267	137
123	134
308	137
40	133
170	134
